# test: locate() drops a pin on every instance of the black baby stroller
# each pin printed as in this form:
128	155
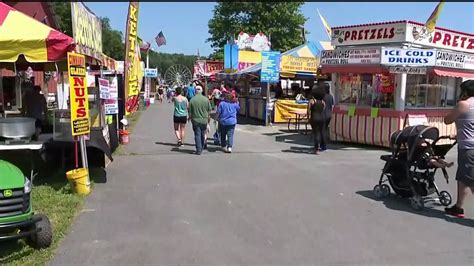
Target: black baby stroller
407	168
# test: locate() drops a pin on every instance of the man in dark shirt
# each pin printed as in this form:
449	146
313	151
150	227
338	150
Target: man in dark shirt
35	106
329	101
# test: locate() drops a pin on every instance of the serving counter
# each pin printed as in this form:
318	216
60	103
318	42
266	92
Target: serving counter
253	107
373	126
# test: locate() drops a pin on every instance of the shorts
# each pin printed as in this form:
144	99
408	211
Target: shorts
180	119
465	172
38	123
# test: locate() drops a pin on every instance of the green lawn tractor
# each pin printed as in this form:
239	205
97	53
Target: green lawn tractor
17	219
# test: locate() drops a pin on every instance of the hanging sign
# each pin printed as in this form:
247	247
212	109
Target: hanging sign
213	67
151	72
408	57
111	104
132	61
248	58
86	30
454	60
104	90
299	64
79	99
408	70
350	56
368	34
441	38
270	67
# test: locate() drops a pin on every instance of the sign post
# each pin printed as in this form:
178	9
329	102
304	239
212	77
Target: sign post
270	73
79	101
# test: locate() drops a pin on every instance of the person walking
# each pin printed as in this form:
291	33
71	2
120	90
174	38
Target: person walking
463	116
160	94
329	102
180	115
316	117
191	92
227	112
199	114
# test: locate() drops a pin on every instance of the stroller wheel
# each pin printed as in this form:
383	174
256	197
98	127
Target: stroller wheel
385	190
445	198
417	203
378	192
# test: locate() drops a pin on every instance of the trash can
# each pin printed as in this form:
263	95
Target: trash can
79	179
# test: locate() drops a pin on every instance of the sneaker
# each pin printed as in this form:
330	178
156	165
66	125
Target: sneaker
455	211
224	149
198	152
229	149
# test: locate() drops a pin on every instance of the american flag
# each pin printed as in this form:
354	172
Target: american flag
160	39
145	46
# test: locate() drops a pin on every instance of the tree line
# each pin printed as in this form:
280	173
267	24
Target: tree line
113	43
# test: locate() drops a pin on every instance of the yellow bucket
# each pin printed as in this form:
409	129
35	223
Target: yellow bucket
79	180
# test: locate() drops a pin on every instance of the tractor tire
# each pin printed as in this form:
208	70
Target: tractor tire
43	238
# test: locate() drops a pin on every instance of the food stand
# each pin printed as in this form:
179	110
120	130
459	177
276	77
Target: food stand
298	65
26	44
385	75
205	71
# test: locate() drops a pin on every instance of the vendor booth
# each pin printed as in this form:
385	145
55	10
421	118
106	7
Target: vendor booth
388	75
297	66
205	71
33	45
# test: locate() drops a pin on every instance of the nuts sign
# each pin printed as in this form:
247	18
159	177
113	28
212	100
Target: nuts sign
79	99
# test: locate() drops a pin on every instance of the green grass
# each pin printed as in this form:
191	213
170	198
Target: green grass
61	206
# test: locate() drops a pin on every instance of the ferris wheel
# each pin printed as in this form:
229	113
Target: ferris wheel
178	75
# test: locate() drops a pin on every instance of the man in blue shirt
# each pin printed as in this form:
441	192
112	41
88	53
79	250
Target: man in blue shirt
191	92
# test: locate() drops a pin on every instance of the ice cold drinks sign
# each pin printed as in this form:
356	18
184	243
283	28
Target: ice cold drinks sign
408	57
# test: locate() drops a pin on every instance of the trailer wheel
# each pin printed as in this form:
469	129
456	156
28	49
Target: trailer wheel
44	237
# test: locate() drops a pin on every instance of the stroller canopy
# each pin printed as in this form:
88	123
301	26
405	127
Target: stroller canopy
409	136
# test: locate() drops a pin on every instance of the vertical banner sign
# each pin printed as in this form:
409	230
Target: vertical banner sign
132	63
270	67
79	99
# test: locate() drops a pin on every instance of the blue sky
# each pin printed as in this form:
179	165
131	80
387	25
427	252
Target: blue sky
185	24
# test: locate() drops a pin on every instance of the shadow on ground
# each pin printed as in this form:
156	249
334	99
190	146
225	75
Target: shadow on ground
249	121
172	144
394	202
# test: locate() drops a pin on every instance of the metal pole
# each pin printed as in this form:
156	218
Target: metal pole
85	163
267	111
147	59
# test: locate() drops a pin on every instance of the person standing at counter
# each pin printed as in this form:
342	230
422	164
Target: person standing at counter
463	116
329	101
35	106
316	117
227	113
